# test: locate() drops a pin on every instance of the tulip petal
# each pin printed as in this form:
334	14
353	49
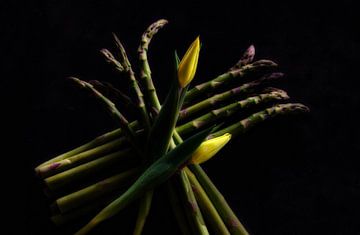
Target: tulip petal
209	148
188	64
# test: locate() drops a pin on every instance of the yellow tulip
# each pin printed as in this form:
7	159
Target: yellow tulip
209	148
188	64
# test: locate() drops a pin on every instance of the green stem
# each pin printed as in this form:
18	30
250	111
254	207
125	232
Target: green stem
228	216
227	77
177	208
192	209
95	191
207	206
144	209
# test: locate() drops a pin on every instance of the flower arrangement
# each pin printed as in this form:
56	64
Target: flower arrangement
152	147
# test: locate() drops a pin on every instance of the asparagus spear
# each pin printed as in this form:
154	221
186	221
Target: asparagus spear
77	159
207	206
136	91
243	125
228	110
107	137
92	192
227	77
110	58
228	216
189	127
192	209
247	58
110	106
85	211
80	172
118	132
157	173
245	88
177	208
145	72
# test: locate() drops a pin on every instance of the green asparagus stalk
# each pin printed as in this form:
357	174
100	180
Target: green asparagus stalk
95	191
107	89
178	210
137	94
77	159
100	140
243	89
84	211
192	209
247	58
189	127
145	75
207	206
80	172
228	216
145	72
247	123
157	173
227	77
109	57
110	106
228	110
287	108
143	212
118	132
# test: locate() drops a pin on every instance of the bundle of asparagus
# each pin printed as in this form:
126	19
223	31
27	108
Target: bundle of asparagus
106	174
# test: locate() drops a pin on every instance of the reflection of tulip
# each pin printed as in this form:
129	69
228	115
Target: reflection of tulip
209	148
188	64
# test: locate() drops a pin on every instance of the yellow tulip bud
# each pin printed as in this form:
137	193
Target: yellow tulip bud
209	148
188	64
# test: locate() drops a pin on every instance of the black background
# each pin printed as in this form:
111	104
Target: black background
291	175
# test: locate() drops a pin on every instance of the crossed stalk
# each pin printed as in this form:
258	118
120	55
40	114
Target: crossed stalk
197	204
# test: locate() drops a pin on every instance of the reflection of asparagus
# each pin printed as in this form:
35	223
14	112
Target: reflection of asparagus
243	89
225	78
